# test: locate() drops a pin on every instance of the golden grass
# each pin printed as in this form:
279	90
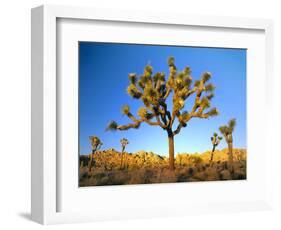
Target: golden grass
147	168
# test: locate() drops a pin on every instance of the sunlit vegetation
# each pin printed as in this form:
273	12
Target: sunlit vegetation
124	142
227	131
147	167
153	89
119	167
215	142
96	145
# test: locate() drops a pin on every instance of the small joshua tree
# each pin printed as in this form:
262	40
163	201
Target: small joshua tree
154	89
215	142
96	145
123	142
226	131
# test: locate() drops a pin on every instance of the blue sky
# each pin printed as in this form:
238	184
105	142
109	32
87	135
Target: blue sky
103	79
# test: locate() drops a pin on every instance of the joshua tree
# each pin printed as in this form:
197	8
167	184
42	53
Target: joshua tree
96	145
123	142
154	89
227	131
215	142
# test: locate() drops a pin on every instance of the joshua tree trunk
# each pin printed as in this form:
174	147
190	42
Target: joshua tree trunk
212	154
125	162
230	156
171	152
121	164
91	161
122	155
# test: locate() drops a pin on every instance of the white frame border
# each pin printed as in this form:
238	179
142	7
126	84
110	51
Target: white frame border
43	181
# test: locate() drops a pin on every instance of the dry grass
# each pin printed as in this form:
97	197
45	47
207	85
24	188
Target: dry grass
148	168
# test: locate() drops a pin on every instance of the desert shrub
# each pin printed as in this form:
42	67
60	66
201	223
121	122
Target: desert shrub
182	174
98	176
84	175
239	175
121	177
211	174
147	167
200	175
168	176
225	175
191	171
239	154
225	165
195	159
137	177
104	180
148	176
83	161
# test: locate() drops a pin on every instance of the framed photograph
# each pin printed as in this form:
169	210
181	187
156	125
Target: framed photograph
146	114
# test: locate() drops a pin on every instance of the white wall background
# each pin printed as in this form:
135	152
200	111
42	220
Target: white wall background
15	112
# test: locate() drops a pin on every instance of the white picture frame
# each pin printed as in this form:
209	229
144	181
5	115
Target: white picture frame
46	182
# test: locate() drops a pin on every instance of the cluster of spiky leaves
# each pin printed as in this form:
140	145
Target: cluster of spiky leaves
216	139
95	142
124	142
154	88
228	129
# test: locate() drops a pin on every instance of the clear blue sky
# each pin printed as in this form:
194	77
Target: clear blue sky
103	79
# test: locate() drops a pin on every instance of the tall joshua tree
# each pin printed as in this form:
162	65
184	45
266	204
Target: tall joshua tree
215	142
154	90
96	145
123	142
227	131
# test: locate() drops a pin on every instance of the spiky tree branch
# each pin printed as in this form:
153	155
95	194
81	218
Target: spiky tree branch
96	145
215	142
123	142
226	131
153	90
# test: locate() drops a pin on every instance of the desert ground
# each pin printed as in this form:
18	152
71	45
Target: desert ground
111	167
